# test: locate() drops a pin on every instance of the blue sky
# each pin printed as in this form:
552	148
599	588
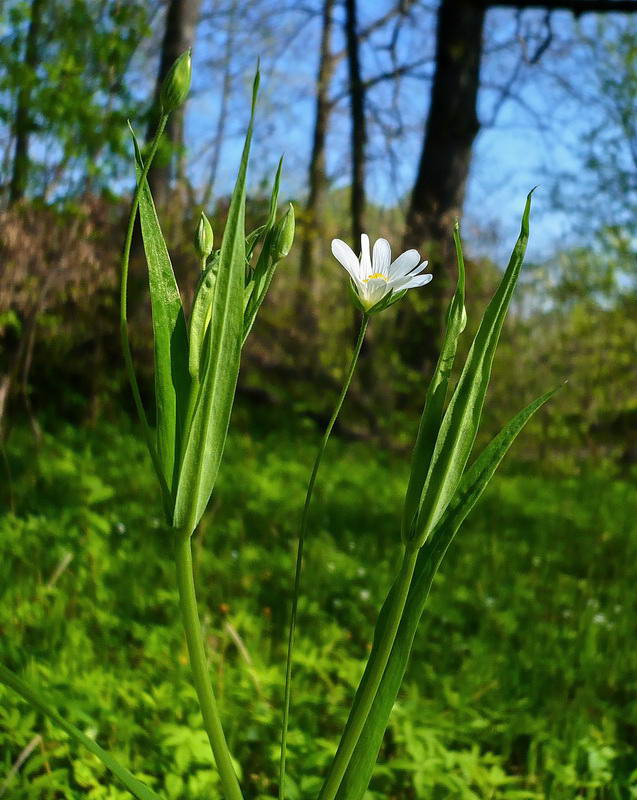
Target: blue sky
533	137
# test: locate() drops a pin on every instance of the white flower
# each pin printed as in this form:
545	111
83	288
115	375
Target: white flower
379	278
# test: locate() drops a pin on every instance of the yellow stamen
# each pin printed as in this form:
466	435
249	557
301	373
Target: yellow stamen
375	275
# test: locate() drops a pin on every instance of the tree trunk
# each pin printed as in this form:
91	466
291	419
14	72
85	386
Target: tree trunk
179	34
312	238
439	188
22	128
452	125
358	127
223	105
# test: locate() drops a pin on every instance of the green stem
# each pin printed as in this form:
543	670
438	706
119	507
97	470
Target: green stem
364	703
123	321
199	667
299	554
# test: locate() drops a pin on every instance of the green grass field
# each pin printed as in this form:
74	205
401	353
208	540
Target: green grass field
522	681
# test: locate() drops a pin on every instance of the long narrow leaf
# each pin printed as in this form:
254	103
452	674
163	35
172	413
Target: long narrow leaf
436	395
274	196
258	234
200	316
252	239
462	418
430	557
34	698
172	380
265	266
207	430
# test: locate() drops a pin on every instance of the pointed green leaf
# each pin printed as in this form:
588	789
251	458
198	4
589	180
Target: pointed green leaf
200	315
386	302
473	483
172	380
274	196
208	423
257	235
395	297
34	698
353	295
261	276
462	418
436	396
150	436
252	239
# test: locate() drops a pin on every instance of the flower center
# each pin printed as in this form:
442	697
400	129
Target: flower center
375	276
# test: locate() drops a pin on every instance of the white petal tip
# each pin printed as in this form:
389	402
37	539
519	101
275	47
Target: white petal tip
419	280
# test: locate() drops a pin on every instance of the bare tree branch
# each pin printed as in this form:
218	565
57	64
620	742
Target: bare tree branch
405	69
543	46
576	6
402	8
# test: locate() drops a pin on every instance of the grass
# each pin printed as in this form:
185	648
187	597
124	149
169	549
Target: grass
522	680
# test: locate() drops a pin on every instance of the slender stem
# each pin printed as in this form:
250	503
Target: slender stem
299	553
37	700
123	321
364	703
199	667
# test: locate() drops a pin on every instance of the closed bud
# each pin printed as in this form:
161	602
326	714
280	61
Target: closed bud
284	234
204	238
176	85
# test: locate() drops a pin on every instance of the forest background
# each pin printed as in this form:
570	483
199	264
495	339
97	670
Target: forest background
394	118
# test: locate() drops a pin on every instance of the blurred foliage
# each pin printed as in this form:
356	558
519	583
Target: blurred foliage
78	99
599	195
520	685
57	305
573	319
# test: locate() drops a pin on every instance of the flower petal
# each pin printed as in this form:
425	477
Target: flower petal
404	263
381	257
344	254
404	278
361	288
419	269
409	281
420	280
366	261
375	290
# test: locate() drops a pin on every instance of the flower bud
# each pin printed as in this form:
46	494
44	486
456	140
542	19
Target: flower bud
204	238
176	84
284	234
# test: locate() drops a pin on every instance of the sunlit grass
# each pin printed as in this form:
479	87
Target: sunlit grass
521	672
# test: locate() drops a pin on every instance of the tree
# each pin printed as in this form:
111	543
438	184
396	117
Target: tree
317	178
443	168
23	122
179	34
313	229
606	190
450	131
63	97
226	85
358	131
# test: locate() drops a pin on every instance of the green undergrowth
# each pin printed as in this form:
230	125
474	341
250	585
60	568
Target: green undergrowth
522	679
